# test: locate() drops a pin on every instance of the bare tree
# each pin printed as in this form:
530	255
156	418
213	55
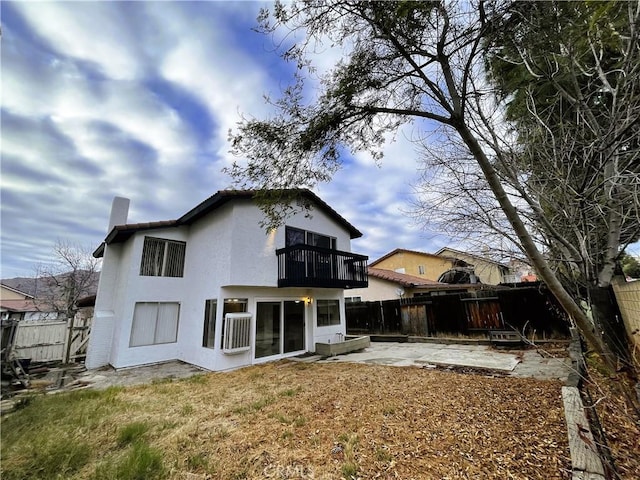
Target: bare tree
71	276
453	197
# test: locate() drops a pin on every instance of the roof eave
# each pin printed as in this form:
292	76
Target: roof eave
121	233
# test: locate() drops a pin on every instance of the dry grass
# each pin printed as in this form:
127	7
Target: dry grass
323	421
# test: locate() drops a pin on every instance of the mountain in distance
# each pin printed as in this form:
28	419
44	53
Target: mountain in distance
45	287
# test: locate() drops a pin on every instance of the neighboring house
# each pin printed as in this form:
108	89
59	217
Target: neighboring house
419	264
488	271
390	285
519	272
10	293
30	331
216	290
18	305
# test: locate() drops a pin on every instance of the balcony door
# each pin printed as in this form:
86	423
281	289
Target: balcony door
310	264
280	328
296	236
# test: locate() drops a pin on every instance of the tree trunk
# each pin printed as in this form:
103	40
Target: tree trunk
529	246
607	318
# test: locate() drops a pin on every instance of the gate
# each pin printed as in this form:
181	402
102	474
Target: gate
47	341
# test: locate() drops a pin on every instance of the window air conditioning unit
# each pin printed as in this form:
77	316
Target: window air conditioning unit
237	333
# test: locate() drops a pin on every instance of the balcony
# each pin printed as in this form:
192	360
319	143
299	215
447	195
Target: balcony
309	266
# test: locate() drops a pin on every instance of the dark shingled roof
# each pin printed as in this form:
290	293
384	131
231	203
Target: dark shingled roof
121	233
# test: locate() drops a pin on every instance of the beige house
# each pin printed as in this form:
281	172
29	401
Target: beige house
488	271
18	305
390	285
8	293
426	266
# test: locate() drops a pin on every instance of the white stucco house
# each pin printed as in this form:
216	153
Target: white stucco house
216	290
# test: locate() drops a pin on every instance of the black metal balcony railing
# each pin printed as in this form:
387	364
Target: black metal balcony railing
309	266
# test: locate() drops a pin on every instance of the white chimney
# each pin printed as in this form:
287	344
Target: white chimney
119	212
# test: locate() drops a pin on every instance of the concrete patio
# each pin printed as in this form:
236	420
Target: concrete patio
527	362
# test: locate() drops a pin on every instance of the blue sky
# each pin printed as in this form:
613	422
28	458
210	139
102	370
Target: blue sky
136	99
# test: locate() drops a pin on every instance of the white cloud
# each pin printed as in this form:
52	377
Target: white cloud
97	32
232	83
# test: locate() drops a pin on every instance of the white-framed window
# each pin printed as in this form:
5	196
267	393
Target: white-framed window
209	332
356	299
421	269
154	323
162	258
328	312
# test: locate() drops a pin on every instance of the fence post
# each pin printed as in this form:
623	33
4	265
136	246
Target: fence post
67	353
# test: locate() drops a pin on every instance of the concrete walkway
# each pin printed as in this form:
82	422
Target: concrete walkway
527	362
518	363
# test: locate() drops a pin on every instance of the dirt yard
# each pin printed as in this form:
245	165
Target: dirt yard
319	421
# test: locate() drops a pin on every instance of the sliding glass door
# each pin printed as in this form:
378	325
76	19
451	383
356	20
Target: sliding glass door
293	326
267	329
279	328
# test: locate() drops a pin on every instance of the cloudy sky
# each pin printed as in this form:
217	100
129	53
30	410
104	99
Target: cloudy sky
136	99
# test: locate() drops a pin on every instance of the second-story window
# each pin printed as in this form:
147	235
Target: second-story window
296	236
162	258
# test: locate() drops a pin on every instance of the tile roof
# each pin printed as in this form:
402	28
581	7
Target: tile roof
27	305
121	233
422	284
400	278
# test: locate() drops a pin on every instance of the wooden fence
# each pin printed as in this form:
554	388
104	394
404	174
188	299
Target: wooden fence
627	295
47	341
529	308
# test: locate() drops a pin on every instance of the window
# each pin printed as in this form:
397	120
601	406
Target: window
162	258
352	299
421	269
209	333
232	305
296	236
328	312
154	323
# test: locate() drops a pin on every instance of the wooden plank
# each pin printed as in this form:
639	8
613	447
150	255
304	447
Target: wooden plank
587	476
584	452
